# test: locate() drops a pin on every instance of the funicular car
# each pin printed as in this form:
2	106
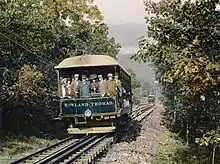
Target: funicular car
95	94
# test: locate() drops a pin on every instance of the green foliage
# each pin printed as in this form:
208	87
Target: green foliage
212	137
134	81
138	90
35	36
28	86
172	150
185	52
136	96
136	86
12	146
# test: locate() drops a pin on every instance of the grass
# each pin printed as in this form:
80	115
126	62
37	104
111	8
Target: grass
171	150
14	146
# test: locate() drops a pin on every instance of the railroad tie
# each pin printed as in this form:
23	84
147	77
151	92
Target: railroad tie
84	160
92	154
30	161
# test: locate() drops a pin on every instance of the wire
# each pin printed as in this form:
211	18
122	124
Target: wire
22	46
29	44
16	43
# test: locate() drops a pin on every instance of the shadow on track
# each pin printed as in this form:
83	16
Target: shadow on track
131	132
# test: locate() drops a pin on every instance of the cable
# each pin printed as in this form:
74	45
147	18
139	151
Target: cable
16	43
21	46
29	44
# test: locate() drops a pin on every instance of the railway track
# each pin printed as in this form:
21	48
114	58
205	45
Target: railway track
142	111
80	151
83	150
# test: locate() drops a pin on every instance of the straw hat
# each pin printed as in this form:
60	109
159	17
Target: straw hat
110	75
100	76
76	75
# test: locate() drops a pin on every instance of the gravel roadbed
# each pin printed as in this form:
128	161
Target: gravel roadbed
139	143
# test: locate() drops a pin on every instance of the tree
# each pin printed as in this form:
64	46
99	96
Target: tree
134	81
136	87
185	51
41	34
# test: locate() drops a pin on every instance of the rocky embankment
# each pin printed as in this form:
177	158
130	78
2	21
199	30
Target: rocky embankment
139	143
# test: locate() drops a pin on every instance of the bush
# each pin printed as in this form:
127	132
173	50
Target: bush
172	150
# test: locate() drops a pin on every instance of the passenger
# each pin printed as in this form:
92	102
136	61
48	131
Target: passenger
111	86
84	87
118	82
102	86
74	86
94	86
68	88
63	87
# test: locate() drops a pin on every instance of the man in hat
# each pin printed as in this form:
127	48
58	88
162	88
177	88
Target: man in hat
102	86
68	88
111	85
74	86
94	84
63	85
118	82
84	87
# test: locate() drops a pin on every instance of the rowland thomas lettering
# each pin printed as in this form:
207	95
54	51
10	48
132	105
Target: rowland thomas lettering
86	104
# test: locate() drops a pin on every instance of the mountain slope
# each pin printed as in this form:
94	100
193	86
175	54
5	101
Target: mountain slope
143	70
128	33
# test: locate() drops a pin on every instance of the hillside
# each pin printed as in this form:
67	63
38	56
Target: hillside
128	33
143	70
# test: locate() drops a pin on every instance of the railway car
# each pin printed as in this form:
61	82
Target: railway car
151	99
95	94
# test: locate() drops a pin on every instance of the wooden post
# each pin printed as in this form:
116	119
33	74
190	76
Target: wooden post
58	82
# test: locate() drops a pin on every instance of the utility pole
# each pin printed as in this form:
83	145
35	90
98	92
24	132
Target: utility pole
141	91
156	92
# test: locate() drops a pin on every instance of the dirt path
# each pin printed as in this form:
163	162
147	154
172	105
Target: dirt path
139	144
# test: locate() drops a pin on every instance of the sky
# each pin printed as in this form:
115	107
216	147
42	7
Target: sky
122	11
118	12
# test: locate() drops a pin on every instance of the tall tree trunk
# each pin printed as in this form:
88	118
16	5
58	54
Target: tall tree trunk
16	116
1	121
213	154
192	124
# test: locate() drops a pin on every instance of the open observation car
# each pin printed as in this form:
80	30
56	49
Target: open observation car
95	94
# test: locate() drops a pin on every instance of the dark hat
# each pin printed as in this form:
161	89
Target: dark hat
92	76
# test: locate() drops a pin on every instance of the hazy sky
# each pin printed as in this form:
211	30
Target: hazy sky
122	11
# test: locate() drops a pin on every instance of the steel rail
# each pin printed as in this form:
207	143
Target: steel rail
53	157
85	148
59	156
42	150
144	114
140	111
75	150
73	157
141	106
145	111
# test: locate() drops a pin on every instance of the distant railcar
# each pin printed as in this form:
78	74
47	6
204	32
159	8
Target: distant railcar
95	94
151	99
